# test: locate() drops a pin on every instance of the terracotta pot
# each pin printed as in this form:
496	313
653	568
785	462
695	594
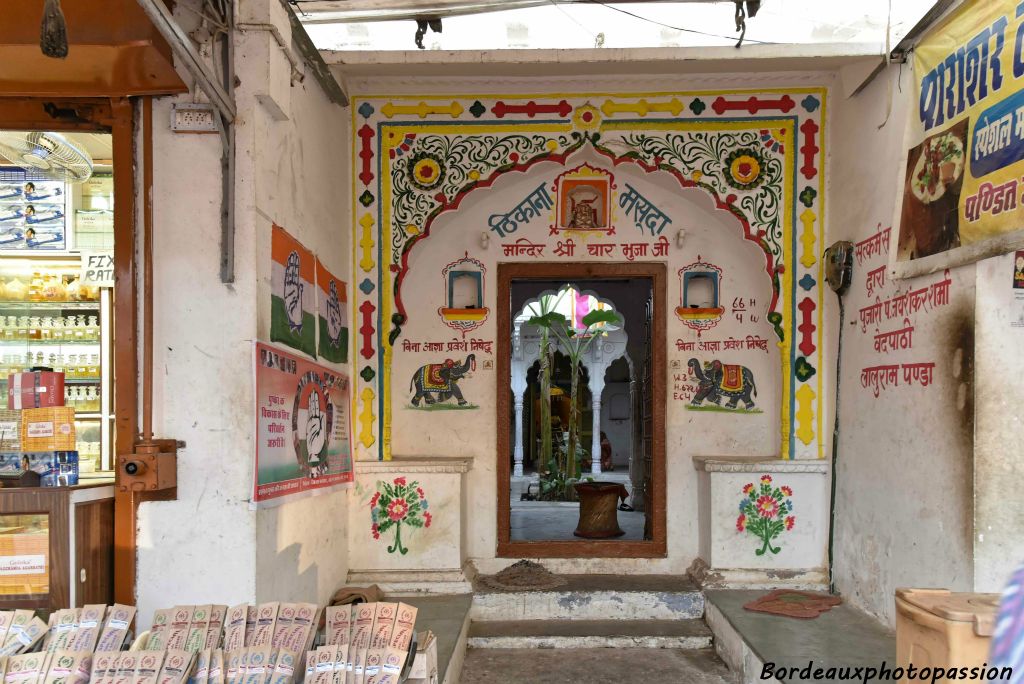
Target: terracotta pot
599	502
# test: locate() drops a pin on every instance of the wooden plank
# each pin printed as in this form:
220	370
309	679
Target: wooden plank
94	552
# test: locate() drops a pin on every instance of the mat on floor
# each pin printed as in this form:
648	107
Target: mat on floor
805	605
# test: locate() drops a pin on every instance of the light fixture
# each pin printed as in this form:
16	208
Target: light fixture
485	239
680	237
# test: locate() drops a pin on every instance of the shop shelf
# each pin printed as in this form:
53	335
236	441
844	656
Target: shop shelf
48	343
49	306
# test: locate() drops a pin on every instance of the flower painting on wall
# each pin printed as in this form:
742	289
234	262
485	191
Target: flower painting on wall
396	504
765	512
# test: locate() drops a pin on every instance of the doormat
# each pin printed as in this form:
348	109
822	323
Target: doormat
791	603
523	575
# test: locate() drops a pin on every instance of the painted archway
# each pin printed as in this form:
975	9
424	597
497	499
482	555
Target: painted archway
757	155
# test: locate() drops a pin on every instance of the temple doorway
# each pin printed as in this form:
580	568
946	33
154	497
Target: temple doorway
578	354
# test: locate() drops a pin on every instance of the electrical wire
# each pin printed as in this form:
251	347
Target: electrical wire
572	19
674	28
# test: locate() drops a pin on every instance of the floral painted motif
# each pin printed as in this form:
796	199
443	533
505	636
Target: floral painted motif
765	512
426	171
743	168
396	504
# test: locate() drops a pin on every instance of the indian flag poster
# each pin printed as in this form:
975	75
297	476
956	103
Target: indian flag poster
332	310
303	440
292	321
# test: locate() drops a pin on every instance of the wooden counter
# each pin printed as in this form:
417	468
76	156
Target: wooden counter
67	530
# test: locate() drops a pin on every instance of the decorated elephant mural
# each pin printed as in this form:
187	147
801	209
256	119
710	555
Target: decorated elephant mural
436	383
716	380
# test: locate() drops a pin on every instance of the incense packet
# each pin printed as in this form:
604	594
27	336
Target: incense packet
324	670
250	624
362	627
177	633
116	627
199	622
216	626
284	668
256	665
216	667
157	640
67	666
102	663
90	619
380	635
310	667
176	668
283	624
148	668
338	624
25	668
231	664
266	618
302	631
202	673
234	628
6	617
58	635
405	626
19	621
22	638
126	665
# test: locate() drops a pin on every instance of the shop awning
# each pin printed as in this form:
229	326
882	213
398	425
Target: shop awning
114	50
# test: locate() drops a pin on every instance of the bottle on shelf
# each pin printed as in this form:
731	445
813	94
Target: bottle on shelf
22	333
94	327
94	367
35	288
71	370
34	328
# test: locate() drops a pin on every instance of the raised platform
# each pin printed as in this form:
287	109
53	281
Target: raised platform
684	634
841	637
448	618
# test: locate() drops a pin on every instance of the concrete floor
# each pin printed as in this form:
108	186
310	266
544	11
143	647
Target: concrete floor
593	666
841	637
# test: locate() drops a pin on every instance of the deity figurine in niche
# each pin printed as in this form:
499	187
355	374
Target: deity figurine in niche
583	214
584	200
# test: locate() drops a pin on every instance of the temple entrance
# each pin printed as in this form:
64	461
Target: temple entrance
580	443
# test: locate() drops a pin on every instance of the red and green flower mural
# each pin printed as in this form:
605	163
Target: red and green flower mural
396	504
765	512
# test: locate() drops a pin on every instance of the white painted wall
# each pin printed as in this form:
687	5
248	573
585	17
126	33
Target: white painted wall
904	500
998	430
209	545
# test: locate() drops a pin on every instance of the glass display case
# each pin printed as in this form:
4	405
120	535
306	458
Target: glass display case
49	317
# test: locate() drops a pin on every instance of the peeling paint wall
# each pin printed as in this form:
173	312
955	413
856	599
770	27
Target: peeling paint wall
904	502
999	432
209	545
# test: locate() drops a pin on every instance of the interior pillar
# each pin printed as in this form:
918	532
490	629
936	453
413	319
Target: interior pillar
517	469
595	443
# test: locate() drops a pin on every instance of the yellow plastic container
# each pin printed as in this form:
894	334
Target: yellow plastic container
939	628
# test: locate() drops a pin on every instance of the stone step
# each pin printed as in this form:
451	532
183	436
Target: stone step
594	597
561	634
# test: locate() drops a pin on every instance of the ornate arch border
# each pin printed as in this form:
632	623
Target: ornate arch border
388	220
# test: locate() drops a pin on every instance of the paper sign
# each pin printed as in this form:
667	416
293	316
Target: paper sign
97	269
22	565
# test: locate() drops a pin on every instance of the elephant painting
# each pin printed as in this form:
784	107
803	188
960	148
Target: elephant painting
716	380
436	383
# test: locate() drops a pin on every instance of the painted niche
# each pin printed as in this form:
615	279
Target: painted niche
464	295
700	297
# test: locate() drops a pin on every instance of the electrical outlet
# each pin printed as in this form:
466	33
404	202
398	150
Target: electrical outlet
193	118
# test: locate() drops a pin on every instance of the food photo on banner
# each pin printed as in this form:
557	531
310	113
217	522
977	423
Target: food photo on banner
292	317
965	147
302	426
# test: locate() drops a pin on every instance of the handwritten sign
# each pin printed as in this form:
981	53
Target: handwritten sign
97	269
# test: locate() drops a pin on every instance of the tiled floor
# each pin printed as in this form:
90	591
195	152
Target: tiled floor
593	666
541	520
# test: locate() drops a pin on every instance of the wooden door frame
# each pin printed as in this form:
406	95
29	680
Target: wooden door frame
116	117
657	273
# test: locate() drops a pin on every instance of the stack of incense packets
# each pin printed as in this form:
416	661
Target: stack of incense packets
372	639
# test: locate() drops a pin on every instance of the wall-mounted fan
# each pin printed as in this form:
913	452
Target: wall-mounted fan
49	154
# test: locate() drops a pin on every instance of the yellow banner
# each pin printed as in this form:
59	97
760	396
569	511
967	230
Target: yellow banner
965	165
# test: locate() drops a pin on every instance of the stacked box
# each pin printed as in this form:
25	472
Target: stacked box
35	389
10	431
55	468
48	429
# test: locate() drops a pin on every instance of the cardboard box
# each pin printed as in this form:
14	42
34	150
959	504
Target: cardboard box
11	463
10	430
55	468
35	389
48	429
424	666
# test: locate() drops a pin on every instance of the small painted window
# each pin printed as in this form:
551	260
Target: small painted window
700	290
465	290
